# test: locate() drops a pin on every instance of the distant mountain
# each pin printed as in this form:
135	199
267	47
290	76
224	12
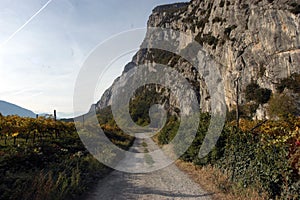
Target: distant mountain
12	109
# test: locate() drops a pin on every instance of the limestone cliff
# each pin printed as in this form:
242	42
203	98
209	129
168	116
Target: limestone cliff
255	40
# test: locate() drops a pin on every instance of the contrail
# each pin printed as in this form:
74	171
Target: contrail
28	21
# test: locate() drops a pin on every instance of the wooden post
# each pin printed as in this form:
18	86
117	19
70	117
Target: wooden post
83	120
54	115
55	131
237	103
237	126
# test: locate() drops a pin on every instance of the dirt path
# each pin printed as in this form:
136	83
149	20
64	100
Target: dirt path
167	183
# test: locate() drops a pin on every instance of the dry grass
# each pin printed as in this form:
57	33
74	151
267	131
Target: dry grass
218	183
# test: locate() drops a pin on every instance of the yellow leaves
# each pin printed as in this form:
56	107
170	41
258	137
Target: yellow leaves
15	134
282	139
13	126
277	133
246	125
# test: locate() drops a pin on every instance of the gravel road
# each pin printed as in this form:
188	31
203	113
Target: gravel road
167	183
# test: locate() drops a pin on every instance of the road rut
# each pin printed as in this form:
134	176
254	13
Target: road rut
167	183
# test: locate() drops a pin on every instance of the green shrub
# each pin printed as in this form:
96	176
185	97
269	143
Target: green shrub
263	95
248	110
169	131
257	163
255	93
292	83
48	173
144	98
250	91
207	38
281	105
163	57
252	160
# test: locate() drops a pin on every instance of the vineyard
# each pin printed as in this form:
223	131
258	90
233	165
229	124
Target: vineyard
44	158
29	130
264	155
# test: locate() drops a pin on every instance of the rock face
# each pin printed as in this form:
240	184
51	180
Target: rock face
256	41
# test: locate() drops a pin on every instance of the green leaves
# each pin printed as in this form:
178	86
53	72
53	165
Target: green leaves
255	93
265	159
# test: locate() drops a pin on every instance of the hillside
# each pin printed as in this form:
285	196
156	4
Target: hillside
12	109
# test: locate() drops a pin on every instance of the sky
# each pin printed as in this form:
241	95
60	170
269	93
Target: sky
44	43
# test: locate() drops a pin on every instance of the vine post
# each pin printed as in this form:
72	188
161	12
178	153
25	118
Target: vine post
236	132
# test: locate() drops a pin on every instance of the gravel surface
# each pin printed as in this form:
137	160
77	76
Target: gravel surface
167	183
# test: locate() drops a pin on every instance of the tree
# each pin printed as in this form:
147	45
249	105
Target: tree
281	105
255	93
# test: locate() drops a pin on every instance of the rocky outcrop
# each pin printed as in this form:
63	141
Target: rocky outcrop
256	41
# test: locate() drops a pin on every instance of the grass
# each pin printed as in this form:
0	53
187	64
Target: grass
149	160
144	144
48	169
215	181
